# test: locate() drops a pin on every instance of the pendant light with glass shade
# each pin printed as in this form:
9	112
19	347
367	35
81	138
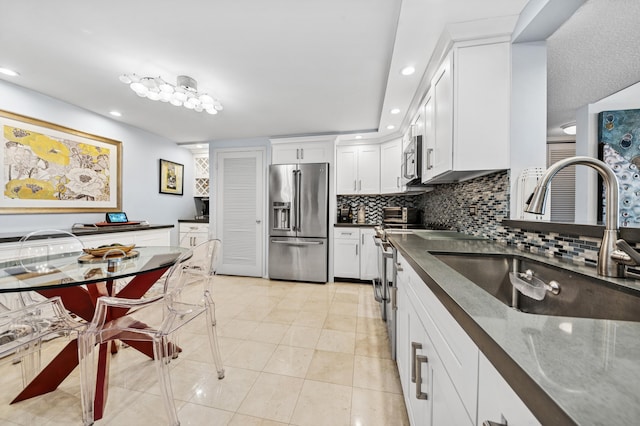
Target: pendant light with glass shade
184	93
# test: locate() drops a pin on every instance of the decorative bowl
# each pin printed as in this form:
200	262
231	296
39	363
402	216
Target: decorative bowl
102	250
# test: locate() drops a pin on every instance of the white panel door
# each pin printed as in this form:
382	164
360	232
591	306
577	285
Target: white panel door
239	210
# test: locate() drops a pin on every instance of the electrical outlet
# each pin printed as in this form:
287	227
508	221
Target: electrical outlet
472	210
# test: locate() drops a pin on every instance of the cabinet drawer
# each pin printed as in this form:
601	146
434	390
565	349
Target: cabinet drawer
346	233
455	348
194	227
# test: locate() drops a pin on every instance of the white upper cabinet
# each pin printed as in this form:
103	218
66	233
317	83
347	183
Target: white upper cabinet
358	169
467	112
428	138
302	150
391	167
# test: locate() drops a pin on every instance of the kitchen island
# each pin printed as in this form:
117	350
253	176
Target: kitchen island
566	370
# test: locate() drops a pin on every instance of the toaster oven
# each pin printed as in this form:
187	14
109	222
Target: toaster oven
400	215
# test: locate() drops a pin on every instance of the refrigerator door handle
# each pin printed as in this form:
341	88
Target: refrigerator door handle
294	219
298	196
298	243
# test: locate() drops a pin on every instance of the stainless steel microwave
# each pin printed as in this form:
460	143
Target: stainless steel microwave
412	158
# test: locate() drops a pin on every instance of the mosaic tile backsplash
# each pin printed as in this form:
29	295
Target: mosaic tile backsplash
477	207
450	206
374	204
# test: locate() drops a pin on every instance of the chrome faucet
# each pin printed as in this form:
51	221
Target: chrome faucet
614	252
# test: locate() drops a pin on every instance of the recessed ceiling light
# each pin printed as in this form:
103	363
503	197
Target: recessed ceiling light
395	111
407	70
358	137
7	71
198	146
115	113
569	129
391	127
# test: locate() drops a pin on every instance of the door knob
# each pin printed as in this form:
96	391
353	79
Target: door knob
258	221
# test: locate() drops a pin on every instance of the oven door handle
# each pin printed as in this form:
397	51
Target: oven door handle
377	290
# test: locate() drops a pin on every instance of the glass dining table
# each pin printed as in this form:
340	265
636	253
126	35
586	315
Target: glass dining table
79	279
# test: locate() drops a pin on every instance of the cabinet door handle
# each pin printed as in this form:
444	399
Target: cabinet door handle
419	360
394	298
356	249
429	162
362	239
398	182
359	185
414	346
355	187
302	153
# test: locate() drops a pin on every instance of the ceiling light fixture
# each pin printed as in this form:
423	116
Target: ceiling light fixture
358	137
184	93
407	70
395	111
115	113
391	127
7	71
569	128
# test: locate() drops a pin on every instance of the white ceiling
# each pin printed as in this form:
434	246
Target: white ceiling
289	67
594	54
279	67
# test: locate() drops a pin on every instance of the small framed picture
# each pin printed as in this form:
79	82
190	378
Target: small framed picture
171	177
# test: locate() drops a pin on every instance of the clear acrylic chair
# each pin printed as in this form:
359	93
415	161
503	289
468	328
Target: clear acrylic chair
155	319
40	249
29	318
22	331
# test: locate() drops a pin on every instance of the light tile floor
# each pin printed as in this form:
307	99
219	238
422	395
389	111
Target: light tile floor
294	353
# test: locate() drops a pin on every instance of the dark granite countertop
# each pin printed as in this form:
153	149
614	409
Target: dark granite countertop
193	220
355	225
579	371
16	236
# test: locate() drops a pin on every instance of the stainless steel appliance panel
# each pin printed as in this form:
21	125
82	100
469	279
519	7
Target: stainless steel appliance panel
282	181
298	222
312	211
391	304
298	259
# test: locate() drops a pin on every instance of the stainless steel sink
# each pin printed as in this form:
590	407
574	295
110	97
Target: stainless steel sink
579	296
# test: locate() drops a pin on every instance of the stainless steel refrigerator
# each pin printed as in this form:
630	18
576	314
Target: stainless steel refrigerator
298	221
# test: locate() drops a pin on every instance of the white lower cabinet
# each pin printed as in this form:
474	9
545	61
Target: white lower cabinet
346	252
151	237
446	380
355	254
369	257
497	402
430	395
192	233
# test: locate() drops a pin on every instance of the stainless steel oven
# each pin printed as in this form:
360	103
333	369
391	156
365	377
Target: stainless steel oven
385	288
381	282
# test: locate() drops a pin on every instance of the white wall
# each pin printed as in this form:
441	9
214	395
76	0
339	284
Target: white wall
141	151
587	144
528	112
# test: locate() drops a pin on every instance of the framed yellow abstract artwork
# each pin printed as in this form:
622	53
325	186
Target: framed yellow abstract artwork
48	168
